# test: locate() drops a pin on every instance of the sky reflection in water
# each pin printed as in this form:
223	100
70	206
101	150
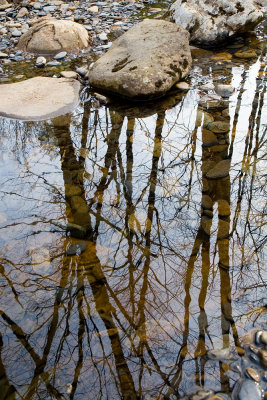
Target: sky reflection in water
174	219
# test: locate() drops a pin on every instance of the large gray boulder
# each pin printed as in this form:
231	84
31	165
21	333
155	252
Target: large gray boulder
39	98
212	22
144	62
49	35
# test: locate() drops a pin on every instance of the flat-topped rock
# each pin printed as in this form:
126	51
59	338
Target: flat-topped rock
39	98
144	62
211	22
49	35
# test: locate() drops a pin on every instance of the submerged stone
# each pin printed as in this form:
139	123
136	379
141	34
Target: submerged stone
76	249
219	126
208	138
246	54
39	98
220	170
250	390
144	62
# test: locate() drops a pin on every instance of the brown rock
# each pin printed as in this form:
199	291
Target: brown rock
145	62
223	208
246	54
49	35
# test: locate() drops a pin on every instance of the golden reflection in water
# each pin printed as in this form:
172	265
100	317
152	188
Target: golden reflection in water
172	214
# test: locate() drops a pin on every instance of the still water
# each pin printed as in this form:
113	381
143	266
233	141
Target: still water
167	204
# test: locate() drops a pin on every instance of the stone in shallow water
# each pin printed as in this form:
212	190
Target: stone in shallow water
75	230
203	118
39	98
40	61
263	357
220	170
253	374
183	86
263	337
246	54
250	390
208	138
220	354
223	208
206	202
69	74
219	126
145	62
225	90
60	56
76	249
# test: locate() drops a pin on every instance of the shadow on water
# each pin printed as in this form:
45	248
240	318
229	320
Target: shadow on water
167	208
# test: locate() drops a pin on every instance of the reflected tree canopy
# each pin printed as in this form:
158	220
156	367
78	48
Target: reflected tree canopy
171	203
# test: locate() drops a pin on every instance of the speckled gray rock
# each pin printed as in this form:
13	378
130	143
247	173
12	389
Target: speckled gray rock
49	35
145	62
39	98
211	22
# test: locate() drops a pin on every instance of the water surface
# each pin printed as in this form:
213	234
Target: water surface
174	220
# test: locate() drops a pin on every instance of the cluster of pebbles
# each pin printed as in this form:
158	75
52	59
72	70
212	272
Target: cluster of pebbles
104	20
249	362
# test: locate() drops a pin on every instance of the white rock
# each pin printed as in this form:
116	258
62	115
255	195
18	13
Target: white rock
40	61
103	36
211	22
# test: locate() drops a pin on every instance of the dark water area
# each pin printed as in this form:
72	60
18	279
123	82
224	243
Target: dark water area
166	204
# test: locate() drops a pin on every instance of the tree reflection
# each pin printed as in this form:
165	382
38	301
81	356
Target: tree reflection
133	315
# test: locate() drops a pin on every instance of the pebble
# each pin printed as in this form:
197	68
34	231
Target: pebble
258	337
250	390
253	374
264	337
16	33
103	36
40	61
37	6
76	230
76	249
49	9
207	87
82	71
3	55
22	12
263	357
69	74
93	9
182	86
102	99
219	126
53	63
246	54
221	170
224	90
201	395
60	56
221	354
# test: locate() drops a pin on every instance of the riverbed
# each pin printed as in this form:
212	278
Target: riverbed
132	237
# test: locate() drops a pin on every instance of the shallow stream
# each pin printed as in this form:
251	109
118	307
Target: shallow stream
166	204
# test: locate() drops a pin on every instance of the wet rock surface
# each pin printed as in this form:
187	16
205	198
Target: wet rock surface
145	62
211	23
